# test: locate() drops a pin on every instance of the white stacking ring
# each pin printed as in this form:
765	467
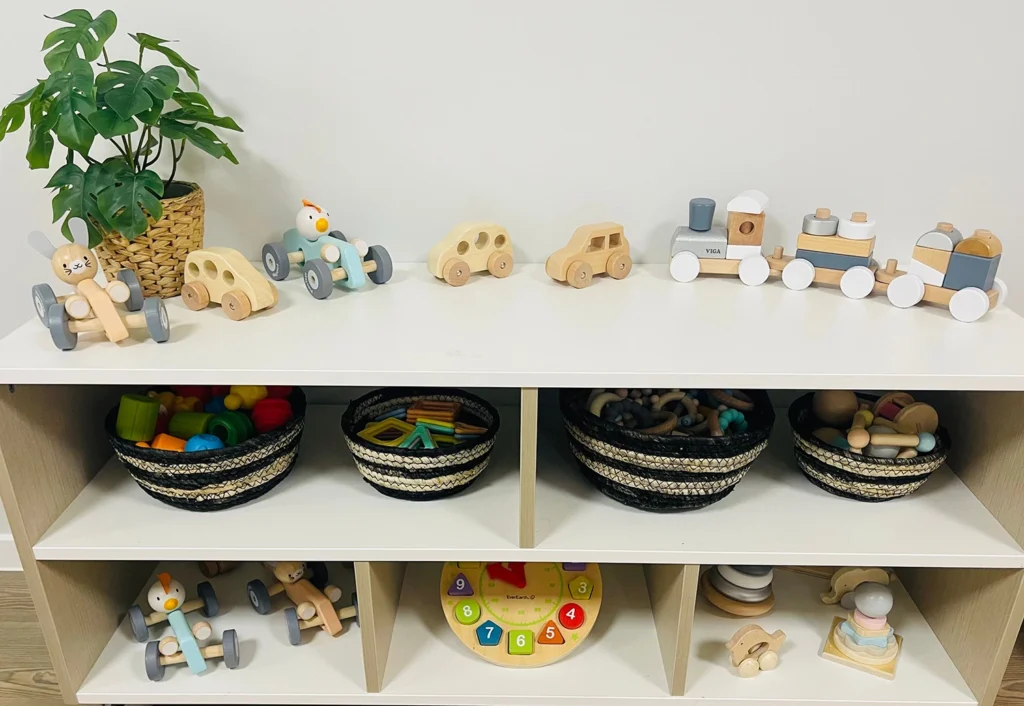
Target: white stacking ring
743	580
856	231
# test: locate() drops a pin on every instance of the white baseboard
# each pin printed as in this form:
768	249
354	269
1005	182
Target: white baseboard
8	554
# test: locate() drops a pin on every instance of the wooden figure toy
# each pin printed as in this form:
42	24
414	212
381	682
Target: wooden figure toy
92	307
845	580
752	650
864	639
469	248
592	250
521	614
327	256
703	248
225	276
949	270
306	585
744	591
167	599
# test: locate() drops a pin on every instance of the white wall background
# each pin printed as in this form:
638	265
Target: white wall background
405	117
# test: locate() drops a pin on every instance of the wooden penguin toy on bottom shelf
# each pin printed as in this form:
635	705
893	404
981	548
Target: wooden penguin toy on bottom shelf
92	307
593	249
520	614
744	591
167	599
752	650
864	639
306	584
327	256
223	275
468	248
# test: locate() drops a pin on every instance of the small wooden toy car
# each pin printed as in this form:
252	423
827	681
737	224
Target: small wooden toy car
327	256
753	650
592	250
167	599
224	275
703	248
306	585
468	248
92	308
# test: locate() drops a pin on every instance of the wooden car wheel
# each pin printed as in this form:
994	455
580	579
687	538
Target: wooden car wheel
499	264
236	305
619	265
195	295
579	274
455	272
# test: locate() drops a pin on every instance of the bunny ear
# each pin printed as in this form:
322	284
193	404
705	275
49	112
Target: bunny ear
41	244
79	231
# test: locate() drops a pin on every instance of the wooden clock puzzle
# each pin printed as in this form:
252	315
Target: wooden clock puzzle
520	614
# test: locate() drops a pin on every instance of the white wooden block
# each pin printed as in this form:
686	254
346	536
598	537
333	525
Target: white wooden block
738	252
928	275
750	201
855	230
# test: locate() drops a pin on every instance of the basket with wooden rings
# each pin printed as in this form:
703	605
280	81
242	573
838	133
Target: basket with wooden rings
158	255
419	473
663	473
858	476
218	478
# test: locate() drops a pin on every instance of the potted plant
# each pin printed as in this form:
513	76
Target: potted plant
136	219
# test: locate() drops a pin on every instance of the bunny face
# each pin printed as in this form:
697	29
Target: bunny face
289	571
73	263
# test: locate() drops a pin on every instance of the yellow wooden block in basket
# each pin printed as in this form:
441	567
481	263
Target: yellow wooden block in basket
374	431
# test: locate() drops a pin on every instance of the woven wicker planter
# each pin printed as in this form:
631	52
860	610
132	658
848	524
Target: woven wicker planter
419	474
857	476
158	256
218	479
662	473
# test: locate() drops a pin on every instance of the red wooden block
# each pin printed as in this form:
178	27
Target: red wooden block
571	616
513	574
270	413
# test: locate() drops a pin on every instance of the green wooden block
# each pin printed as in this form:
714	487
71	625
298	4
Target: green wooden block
136	417
520	642
467	611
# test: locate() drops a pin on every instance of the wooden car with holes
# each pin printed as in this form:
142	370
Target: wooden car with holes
468	248
592	250
224	275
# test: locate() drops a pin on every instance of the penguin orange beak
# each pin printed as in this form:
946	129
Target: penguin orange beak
321	225
170	604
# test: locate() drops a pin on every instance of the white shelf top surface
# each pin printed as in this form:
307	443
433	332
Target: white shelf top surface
530	331
271	669
323	510
924	674
774	516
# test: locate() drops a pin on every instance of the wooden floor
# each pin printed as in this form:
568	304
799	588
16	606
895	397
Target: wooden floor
27	679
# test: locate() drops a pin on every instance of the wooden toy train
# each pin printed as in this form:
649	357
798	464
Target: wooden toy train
946	269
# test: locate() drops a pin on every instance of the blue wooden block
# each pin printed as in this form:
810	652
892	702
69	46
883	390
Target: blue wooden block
832	261
970	271
574	567
489	634
860	639
460	586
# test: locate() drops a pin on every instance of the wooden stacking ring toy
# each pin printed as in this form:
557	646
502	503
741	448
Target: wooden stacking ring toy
521	614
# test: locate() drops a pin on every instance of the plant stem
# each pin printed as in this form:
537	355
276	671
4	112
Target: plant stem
71	156
177	158
90	160
106	59
119	149
127	151
143	141
159	149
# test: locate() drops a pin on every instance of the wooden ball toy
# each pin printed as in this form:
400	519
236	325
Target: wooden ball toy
847	579
835	408
204	442
520	614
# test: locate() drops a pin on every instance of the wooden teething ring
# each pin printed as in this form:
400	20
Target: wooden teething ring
737	400
667	422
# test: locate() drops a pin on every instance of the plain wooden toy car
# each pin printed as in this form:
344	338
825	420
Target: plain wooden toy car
592	250
224	275
468	248
307	586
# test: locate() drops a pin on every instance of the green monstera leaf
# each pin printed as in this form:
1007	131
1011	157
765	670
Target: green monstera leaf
130	200
130	91
108	123
85	32
40	139
202	137
194	108
76	196
12	116
148	41
73	99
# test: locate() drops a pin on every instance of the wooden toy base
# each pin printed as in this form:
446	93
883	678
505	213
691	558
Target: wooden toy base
832	653
733	607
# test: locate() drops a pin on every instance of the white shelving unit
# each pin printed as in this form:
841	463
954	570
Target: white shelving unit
90	539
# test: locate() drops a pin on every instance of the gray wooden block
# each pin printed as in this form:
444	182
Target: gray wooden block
939	239
710	244
832	261
970	271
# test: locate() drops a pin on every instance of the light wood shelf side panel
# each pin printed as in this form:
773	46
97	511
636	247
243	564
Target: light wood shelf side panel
528	467
379	589
988	450
975	614
672	589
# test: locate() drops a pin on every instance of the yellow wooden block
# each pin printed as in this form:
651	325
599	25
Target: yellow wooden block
373	431
935	259
833	654
835	244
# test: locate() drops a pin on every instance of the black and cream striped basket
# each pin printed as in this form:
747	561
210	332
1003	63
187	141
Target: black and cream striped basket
419	474
857	476
662	473
219	478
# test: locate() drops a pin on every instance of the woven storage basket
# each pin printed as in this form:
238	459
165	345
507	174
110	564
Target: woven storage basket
218	479
419	474
662	473
857	476
158	255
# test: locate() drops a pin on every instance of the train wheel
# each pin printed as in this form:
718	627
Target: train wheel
798	274
905	291
684	267
1000	286
857	282
969	304
754	270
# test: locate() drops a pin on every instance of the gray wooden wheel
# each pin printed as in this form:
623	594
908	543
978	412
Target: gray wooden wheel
275	261
60	328
209	597
230	644
291	617
317	276
384	270
259	596
339	235
135	295
156	319
138	622
154	670
318	574
42	299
